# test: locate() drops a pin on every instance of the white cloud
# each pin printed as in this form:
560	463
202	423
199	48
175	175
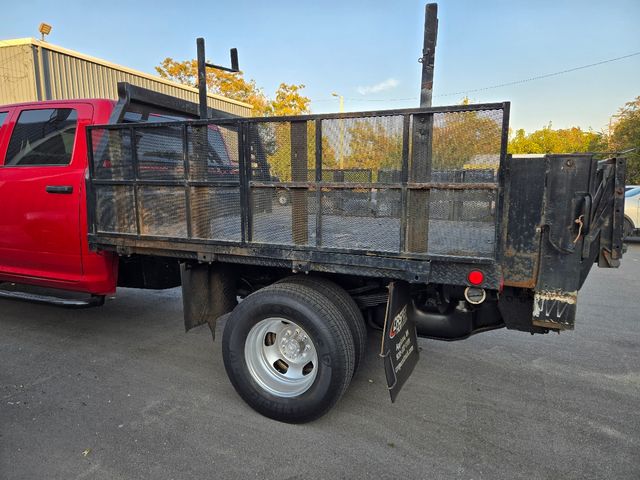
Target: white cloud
387	84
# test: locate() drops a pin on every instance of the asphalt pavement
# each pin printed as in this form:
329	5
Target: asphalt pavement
121	392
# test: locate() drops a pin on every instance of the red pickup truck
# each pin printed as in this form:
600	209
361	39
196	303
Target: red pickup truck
43	169
98	194
42	228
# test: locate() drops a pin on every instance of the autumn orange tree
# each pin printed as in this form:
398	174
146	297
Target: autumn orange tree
458	139
373	146
276	138
288	98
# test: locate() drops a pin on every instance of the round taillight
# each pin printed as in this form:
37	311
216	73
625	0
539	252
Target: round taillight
475	277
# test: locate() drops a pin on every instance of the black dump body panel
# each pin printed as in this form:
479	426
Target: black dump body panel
562	214
407	194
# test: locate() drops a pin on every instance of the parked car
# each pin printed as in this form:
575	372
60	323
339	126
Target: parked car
631	211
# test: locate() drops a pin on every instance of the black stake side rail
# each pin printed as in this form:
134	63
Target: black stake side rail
413	267
475	107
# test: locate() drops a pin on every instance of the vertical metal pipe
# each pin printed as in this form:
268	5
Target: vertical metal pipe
318	165
299	173
134	164
421	158
187	188
406	132
91	193
250	135
501	179
202	78
428	53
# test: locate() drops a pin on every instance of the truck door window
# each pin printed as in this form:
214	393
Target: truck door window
43	137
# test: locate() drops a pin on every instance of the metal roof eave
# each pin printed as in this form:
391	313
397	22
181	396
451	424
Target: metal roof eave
32	41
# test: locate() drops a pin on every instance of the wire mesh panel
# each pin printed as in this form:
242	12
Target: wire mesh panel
274	220
213	153
162	211
419	182
112	158
464	142
282	151
462	222
159	152
459	148
283	158
115	210
215	213
357	150
361	219
362	153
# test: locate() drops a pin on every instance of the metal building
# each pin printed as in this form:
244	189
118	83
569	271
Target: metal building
32	70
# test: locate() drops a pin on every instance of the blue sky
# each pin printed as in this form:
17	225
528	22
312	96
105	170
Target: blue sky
367	50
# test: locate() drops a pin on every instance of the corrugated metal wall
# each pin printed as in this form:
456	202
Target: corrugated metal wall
67	76
17	75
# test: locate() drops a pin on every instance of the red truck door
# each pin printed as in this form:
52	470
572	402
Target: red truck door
41	186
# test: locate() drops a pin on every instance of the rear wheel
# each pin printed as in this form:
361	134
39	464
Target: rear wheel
288	352
344	303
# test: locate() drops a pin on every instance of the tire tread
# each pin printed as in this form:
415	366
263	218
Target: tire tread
345	304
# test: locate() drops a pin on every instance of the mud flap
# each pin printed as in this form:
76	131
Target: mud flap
555	310
399	347
208	291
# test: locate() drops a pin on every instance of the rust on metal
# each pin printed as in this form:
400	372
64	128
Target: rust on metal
521	269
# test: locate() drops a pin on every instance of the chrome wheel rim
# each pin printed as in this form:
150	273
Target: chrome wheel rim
281	357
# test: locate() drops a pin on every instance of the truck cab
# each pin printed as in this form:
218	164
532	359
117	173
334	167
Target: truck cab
43	225
43	191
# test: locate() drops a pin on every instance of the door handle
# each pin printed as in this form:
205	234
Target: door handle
65	189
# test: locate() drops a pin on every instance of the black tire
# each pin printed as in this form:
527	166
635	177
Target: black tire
627	228
347	306
324	325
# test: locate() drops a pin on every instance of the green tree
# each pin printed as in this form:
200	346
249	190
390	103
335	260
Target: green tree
288	99
625	134
548	140
466	138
